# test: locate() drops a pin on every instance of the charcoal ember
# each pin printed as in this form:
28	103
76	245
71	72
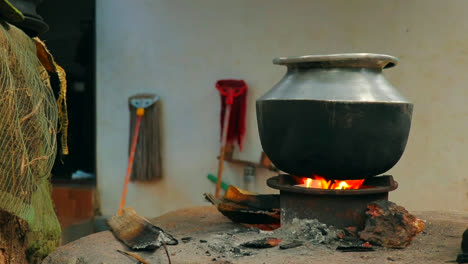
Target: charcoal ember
267	242
340	234
367	244
390	225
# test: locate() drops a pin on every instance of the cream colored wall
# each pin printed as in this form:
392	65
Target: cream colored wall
178	49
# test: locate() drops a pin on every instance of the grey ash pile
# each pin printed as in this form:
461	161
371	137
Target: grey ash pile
244	242
308	231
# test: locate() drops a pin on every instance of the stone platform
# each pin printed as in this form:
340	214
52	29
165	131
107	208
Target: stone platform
207	229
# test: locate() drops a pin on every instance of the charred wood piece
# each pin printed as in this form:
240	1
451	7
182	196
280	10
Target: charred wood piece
186	239
390	225
252	200
354	248
293	244
268	242
138	233
244	214
135	256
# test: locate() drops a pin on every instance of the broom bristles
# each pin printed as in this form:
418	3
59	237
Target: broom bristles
147	163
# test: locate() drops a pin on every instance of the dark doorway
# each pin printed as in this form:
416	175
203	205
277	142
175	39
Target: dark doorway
71	39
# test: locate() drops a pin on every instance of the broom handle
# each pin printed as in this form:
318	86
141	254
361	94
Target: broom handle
130	159
227	115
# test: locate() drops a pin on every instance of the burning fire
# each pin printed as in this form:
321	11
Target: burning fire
321	183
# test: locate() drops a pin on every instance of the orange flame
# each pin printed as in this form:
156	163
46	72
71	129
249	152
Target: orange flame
321	183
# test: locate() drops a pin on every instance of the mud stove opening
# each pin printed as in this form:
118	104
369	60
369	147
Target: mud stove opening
338	207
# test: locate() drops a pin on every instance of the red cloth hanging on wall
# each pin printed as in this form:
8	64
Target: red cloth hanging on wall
233	93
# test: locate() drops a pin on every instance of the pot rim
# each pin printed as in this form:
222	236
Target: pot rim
354	60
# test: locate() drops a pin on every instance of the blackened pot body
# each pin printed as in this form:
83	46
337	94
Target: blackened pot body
335	116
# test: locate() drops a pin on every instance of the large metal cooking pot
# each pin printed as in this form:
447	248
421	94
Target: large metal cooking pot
335	116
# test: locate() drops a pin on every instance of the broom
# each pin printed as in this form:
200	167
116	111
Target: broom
147	164
140	103
130	228
233	106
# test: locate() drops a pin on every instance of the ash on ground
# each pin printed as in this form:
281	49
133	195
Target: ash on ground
309	231
300	233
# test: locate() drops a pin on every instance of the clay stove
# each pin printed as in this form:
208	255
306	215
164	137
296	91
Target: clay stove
338	207
338	117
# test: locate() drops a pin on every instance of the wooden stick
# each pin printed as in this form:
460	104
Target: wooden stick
135	256
167	253
227	115
130	162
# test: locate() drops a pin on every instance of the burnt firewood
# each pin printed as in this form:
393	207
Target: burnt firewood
390	225
244	214
138	233
354	249
293	244
351	231
135	256
268	242
252	200
186	239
